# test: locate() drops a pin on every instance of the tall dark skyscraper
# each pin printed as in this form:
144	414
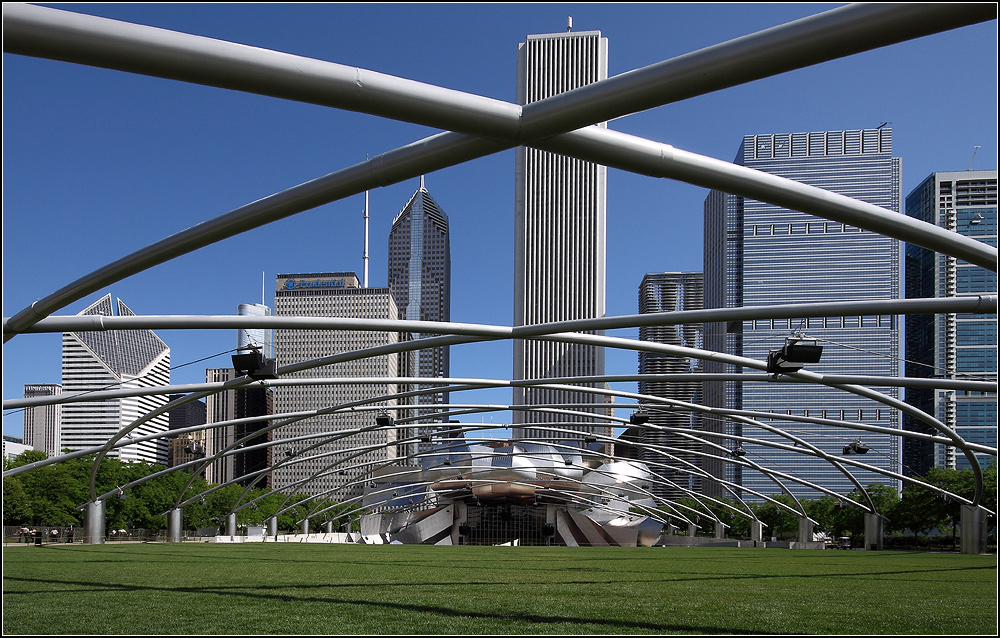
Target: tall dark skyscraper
951	346
420	281
760	254
242	403
560	233
672	292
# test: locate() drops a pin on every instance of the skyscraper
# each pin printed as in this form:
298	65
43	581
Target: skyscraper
111	360
42	423
259	337
420	281
951	346
241	403
560	232
186	447
335	294
761	254
672	292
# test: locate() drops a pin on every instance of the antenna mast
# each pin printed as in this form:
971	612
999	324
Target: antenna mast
364	255
974	151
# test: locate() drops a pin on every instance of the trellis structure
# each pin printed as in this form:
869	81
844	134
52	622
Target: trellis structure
478	126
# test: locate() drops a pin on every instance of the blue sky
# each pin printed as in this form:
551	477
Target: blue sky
100	163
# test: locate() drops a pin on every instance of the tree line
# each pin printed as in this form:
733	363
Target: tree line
50	495
919	513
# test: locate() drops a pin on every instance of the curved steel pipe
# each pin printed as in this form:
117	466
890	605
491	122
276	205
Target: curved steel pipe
44	32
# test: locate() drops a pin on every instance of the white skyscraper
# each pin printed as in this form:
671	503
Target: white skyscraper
560	228
109	360
331	295
261	337
42	423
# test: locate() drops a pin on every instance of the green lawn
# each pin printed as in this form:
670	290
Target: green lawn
277	588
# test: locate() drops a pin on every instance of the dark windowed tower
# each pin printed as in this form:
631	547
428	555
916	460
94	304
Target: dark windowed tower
420	281
951	346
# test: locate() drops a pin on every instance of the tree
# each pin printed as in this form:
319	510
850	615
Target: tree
778	520
46	495
922	510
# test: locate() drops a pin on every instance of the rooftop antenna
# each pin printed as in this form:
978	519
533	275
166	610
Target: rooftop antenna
569	24
364	256
973	157
262	275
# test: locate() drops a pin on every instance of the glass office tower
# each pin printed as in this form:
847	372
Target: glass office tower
761	254
420	281
951	346
559	236
262	338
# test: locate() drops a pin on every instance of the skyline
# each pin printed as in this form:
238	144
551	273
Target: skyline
84	148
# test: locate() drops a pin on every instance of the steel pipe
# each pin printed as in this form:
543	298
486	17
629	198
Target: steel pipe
26	25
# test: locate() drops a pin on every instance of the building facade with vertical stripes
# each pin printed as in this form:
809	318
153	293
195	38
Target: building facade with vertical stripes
951	345
241	403
42	423
560	235
760	254
111	360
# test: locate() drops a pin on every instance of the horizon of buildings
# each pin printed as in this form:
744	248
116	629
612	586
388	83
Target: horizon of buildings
970	413
755	254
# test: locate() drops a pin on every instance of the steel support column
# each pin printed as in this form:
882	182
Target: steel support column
175	525
873	530
974	532
805	530
93	523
